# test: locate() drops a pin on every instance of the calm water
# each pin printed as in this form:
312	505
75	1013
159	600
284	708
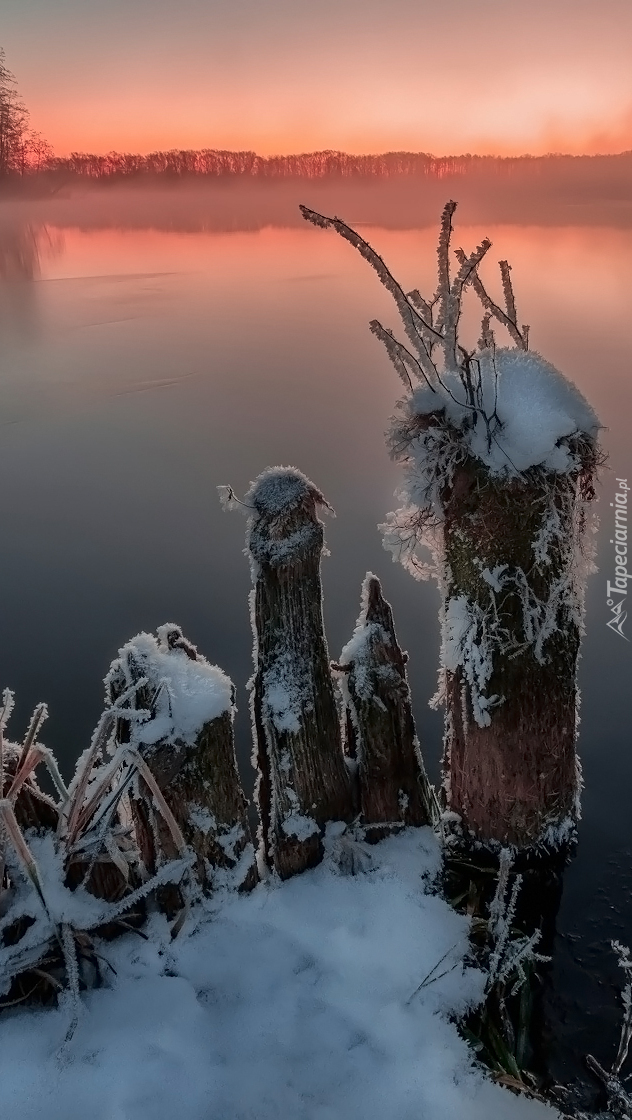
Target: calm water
141	367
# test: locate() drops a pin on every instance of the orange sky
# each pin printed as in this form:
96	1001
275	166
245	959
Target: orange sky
503	76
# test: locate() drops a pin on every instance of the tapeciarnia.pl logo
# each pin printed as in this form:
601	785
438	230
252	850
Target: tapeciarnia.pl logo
616	593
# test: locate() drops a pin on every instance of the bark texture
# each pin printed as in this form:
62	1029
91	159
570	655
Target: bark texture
394	790
517	778
303	780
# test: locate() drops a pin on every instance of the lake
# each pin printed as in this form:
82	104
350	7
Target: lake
154	345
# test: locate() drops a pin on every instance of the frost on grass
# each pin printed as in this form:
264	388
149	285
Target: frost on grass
295	1001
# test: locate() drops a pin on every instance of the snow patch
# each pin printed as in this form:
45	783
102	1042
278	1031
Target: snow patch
293	1001
193	692
536	409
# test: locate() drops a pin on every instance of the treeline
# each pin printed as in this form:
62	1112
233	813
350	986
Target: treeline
218	164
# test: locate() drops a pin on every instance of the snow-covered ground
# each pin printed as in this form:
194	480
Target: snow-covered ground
292	1003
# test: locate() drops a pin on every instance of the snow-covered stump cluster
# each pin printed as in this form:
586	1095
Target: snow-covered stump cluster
303	781
392	788
178	716
499	452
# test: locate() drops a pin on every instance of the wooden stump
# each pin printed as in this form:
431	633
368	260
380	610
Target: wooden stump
393	789
303	780
195	768
512	624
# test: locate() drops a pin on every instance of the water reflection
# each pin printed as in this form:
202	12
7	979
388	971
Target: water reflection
163	348
23	246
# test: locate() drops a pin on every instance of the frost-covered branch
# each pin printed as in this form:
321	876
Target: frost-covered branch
400	356
521	338
420	332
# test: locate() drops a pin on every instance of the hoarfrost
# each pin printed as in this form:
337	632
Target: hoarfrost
274	498
357	651
300	826
202	818
286	692
469	641
187	692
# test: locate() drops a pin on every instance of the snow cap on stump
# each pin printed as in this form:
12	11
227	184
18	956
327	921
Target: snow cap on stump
283	523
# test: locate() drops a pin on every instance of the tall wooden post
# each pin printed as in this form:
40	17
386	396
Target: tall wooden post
512	626
393	786
303	779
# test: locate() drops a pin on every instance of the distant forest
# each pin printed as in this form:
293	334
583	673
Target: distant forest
213	164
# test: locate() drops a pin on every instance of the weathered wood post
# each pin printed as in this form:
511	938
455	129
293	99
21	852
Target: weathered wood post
179	721
303	780
393	786
499	452
512	622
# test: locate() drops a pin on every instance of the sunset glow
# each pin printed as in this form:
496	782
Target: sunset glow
458	76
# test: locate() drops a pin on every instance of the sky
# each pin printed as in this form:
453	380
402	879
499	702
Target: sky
279	76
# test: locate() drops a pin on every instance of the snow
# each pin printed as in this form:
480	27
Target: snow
280	488
358	650
282	522
293	1002
298	825
195	691
537	407
286	692
469	639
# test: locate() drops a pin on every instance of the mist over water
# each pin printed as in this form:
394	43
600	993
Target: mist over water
155	344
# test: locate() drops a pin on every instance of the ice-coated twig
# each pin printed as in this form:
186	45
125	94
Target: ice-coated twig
433	975
508	292
442	295
50	762
78	786
37	719
455	298
415	325
509	954
8	700
493	308
400	356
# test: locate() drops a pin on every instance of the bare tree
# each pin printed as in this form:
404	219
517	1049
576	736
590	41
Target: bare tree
13	120
22	150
